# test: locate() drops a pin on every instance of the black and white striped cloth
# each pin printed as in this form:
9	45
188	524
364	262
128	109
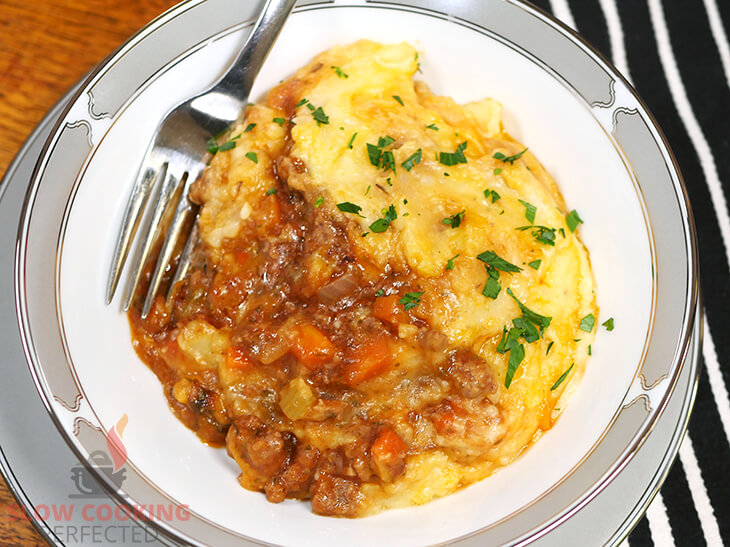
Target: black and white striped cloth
677	55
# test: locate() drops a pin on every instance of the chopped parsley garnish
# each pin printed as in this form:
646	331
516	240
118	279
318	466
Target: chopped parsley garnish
586	324
491	258
280	121
379	157
397	98
213	147
530	211
589	350
340	73
491	195
508	159
302	102
542	234
385	141
530	327
562	232
498	170
411	300
413	159
608	323
319	201
319	116
380	292
432	126
380	225
450	263
541	321
249	127
550	346
271	192
352	139
367	190
562	378
572	220
252	156
535	264
454	158
347	207
510	342
374	153
508	338
454	220
494	264
492	287
388	162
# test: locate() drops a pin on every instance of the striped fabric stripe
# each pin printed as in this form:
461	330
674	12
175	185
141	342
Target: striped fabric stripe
719	35
677	54
616	37
717	385
562	11
708	522
641	535
658	523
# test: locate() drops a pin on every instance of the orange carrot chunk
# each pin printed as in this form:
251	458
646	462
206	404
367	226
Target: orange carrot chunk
236	359
386	309
389	454
312	347
369	360
241	257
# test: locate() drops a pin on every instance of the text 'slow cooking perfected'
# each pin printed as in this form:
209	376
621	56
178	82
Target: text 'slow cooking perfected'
390	300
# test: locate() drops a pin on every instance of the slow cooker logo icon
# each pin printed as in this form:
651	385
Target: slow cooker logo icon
110	462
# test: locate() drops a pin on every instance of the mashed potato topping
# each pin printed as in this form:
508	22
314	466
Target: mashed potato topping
390	296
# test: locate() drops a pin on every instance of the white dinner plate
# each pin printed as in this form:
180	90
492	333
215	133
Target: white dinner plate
578	116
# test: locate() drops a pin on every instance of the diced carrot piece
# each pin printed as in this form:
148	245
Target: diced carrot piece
445	416
443	422
175	358
386	309
388	445
236	359
370	359
389	453
312	347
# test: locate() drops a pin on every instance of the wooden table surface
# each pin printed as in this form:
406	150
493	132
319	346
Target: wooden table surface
45	47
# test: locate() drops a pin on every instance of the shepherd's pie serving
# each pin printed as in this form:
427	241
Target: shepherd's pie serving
389	299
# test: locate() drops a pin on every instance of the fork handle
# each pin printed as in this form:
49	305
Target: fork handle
243	71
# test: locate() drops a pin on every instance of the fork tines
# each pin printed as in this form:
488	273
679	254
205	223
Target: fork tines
170	207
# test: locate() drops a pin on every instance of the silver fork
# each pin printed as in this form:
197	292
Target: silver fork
176	158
